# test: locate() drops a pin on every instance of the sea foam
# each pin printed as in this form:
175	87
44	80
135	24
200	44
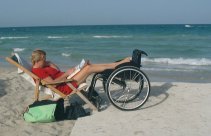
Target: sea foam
66	54
18	49
180	61
188	26
3	38
168	69
56	37
111	36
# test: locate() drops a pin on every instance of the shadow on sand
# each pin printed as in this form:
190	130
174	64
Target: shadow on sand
157	91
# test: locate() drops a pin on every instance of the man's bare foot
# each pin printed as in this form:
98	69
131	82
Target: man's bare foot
125	60
128	59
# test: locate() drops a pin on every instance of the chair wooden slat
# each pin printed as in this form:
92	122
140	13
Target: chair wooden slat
50	86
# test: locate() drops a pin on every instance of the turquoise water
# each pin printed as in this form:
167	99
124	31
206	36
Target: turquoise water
173	49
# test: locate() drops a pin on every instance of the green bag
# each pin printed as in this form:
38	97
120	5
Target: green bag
41	111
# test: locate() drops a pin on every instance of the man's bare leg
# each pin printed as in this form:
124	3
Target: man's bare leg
96	68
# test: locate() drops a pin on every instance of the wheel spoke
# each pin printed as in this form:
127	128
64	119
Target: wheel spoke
130	75
119	99
135	76
116	94
128	88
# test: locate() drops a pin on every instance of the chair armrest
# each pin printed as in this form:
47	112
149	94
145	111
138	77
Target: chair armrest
58	82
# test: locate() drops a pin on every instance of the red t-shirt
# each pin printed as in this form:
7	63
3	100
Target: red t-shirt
54	73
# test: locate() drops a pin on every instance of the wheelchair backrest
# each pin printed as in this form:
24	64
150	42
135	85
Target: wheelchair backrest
136	57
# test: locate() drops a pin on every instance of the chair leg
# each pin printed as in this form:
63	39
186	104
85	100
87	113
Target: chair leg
92	106
36	91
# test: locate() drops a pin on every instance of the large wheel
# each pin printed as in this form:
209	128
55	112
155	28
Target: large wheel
128	88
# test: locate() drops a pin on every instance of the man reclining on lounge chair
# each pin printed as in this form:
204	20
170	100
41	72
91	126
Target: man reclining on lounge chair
49	72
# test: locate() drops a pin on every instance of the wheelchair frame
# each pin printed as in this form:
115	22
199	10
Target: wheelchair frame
127	86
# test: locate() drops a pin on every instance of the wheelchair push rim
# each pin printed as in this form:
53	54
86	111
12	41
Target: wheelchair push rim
128	88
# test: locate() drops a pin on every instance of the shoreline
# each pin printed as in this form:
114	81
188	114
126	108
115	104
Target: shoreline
154	76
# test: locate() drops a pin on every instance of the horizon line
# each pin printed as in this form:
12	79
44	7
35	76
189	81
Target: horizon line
103	25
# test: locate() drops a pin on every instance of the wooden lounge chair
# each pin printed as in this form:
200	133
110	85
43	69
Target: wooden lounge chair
24	69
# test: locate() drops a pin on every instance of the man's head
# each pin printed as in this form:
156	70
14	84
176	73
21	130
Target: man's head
38	55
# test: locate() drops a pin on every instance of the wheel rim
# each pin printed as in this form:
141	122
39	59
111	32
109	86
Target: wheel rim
128	88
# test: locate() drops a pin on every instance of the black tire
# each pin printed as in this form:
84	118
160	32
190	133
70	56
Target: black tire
120	88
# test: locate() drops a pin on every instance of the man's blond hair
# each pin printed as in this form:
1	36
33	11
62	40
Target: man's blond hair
37	55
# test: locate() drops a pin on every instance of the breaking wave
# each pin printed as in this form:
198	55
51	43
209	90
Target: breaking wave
18	49
168	69
111	36
180	61
56	37
66	54
3	38
188	26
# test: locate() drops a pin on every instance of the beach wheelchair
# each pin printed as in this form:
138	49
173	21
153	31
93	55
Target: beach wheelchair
127	86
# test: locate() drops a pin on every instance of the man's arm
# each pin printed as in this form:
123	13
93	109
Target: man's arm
60	78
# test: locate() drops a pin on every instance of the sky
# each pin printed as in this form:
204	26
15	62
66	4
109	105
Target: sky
17	13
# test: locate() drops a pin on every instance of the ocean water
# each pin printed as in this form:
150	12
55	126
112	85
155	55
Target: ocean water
175	52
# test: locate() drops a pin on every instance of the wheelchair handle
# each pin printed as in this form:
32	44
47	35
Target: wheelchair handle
136	57
143	52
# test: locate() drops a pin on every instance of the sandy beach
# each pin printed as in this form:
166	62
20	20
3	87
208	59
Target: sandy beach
173	109
15	95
